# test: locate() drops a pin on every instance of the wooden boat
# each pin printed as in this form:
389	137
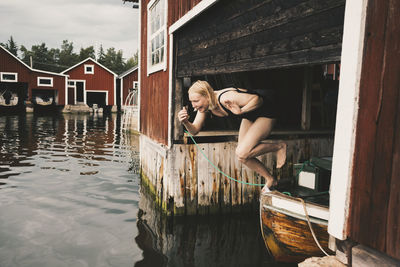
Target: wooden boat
10	102
285	229
43	102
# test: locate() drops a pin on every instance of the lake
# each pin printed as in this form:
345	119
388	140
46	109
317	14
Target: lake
70	195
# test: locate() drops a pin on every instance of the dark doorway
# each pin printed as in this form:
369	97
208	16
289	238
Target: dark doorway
79	92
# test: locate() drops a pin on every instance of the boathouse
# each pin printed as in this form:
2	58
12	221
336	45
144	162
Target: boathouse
128	82
20	84
89	82
287	46
258	44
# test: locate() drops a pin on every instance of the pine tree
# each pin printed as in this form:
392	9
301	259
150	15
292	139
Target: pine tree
101	56
12	46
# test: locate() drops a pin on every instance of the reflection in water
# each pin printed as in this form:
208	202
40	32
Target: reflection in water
229	240
69	192
69	196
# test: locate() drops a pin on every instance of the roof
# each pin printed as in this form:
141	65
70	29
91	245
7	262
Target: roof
32	69
122	75
89	59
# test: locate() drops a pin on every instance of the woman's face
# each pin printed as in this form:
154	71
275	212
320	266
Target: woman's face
199	102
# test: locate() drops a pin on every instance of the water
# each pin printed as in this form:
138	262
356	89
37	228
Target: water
70	196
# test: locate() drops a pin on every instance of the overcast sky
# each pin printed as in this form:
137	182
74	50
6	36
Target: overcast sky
83	22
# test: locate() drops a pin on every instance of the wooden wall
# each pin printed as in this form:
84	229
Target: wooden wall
127	83
236	35
59	83
154	87
26	75
101	80
375	195
185	183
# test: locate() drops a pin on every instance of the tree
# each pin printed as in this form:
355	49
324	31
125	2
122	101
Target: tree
67	55
114	60
132	61
11	46
101	56
87	52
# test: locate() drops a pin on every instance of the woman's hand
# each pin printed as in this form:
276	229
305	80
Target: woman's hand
234	107
183	115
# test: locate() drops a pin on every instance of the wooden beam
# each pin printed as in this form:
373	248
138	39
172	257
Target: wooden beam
306	106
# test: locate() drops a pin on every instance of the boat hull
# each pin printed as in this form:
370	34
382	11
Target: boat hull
287	235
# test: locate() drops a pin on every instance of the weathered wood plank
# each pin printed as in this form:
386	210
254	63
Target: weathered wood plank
375	131
235	173
256	30
392	82
326	54
191	189
364	256
203	181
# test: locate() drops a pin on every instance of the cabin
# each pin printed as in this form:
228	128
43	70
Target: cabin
89	83
333	66
128	83
21	85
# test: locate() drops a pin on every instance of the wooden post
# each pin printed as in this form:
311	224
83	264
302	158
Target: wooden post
177	105
306	106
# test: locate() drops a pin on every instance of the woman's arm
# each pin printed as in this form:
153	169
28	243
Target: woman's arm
197	124
239	104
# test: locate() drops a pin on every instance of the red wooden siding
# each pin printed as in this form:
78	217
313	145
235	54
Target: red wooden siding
154	88
59	83
101	80
375	194
9	63
127	83
179	9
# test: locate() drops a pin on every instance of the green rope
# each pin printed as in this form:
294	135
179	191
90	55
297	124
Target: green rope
215	167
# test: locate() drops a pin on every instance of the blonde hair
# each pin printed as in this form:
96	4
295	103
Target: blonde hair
204	88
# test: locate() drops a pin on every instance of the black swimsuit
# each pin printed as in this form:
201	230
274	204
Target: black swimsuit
267	109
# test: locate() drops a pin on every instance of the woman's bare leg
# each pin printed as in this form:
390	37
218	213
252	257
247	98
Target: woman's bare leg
250	135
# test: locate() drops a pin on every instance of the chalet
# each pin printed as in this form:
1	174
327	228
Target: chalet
24	84
285	46
89	82
128	83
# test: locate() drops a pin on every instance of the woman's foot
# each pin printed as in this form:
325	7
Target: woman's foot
281	156
271	182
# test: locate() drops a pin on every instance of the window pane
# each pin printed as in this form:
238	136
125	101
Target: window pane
162	54
9	77
44	81
161	38
157	40
157	56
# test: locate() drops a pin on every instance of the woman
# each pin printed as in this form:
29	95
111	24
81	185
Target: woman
258	117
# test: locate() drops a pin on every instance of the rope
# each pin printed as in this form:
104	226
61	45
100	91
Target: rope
310	226
215	167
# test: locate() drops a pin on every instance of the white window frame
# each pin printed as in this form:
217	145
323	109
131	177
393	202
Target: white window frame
91	66
163	27
135	85
9	73
45	78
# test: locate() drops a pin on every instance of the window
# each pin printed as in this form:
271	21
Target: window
71	83
157	35
135	85
45	81
9	77
89	69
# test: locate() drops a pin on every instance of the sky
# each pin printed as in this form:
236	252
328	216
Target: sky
83	22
